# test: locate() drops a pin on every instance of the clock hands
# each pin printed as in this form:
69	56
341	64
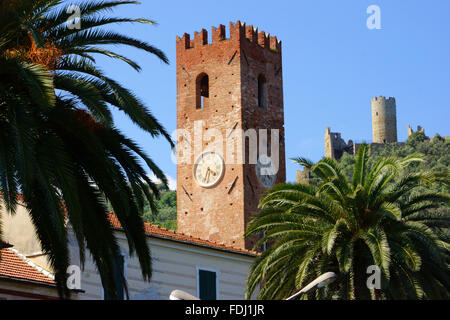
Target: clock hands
206	176
208	171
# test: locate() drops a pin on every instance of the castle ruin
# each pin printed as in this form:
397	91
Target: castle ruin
335	146
384	129
411	131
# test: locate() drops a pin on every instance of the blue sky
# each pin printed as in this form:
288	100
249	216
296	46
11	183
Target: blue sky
332	65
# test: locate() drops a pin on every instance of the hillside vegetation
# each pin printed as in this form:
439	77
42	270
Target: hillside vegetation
167	210
436	151
166	204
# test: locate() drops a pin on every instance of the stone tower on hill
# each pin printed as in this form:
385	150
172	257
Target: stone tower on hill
384	120
229	86
384	130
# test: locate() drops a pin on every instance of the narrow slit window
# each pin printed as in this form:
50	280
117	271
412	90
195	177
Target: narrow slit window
262	247
202	91
262	92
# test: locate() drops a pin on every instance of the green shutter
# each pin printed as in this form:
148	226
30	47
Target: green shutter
118	276
118	273
207	283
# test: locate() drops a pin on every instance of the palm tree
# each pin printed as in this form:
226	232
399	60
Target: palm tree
346	226
59	148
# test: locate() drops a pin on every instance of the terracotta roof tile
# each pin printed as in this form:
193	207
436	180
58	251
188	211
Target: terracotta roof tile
157	231
15	266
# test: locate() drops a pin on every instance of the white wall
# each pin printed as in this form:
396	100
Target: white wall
175	266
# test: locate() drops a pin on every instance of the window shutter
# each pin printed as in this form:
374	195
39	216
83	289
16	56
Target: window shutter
118	278
207	283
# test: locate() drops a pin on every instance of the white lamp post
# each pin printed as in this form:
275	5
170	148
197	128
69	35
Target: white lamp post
181	295
320	282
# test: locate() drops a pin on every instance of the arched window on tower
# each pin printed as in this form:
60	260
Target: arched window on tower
262	92
202	93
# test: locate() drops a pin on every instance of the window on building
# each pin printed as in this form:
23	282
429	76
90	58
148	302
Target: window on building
119	265
262	92
202	95
207	284
262	247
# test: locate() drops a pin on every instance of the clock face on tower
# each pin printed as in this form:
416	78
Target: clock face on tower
263	168
208	169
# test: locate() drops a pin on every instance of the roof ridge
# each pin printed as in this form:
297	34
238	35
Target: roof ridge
171	234
32	264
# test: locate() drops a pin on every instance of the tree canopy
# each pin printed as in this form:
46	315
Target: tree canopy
60	152
383	214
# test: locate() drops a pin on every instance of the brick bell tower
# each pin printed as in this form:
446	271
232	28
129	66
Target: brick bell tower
231	87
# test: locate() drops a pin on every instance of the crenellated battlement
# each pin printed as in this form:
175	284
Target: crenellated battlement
382	98
238	32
